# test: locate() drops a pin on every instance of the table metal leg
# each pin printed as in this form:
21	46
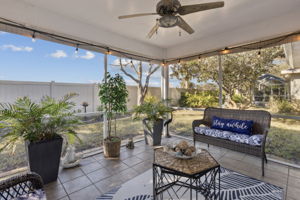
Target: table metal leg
154	183
191	191
219	182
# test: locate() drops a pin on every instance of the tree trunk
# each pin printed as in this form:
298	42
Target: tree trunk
140	96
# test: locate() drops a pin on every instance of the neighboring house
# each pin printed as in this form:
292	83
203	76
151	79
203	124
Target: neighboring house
270	85
292	53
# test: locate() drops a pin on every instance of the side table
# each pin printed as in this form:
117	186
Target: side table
174	177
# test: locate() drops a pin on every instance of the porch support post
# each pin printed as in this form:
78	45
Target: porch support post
166	82
162	83
220	81
105	125
165	90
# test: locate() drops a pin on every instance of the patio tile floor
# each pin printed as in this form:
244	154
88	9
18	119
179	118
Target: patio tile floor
97	175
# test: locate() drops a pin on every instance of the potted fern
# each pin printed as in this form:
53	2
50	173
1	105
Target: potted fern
42	126
153	113
113	96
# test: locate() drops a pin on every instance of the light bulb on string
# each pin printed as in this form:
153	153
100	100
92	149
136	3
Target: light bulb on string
108	52
225	50
199	58
259	53
76	50
33	37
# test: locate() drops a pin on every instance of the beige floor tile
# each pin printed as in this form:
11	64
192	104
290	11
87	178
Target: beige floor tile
90	192
55	191
76	184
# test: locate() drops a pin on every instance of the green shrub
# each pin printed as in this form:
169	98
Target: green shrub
285	106
199	99
237	98
281	106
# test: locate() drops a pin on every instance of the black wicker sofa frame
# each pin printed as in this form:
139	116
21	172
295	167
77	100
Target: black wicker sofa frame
261	125
16	186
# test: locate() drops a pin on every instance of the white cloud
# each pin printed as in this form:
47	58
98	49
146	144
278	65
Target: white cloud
16	48
59	54
124	62
88	55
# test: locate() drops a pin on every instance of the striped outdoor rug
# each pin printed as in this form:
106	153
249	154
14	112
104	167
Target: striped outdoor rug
234	186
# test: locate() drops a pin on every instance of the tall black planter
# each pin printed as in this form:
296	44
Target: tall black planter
153	137
44	158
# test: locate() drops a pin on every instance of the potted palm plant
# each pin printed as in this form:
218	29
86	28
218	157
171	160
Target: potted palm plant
153	113
42	126
113	96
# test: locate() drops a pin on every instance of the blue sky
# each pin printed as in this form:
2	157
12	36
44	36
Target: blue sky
25	60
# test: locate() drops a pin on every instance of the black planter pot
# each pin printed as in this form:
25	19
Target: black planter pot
44	158
153	137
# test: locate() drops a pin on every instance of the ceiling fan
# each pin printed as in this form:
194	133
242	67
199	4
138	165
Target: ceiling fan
170	11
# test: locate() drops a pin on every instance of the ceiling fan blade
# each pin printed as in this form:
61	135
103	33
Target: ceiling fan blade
182	24
136	15
153	30
184	10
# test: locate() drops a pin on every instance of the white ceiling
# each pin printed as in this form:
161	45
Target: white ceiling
240	21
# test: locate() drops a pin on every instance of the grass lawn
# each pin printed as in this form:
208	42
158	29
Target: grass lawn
283	139
92	134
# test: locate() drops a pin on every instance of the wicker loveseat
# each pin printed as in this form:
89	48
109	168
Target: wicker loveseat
261	125
19	185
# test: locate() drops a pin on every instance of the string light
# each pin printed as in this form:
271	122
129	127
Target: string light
292	37
199	58
108	52
179	62
225	50
33	37
259	53
297	37
163	64
76	50
131	61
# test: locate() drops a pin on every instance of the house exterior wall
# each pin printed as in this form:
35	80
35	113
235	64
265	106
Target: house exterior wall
295	86
11	90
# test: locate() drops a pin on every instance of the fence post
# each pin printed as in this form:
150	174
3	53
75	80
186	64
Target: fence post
51	88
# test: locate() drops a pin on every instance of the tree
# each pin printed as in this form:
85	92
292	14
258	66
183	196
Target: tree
113	95
139	70
240	70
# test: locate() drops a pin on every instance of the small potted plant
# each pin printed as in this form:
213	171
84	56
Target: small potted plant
113	96
153	113
42	126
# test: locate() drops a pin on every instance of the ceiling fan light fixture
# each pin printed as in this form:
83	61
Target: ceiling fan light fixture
168	21
170	12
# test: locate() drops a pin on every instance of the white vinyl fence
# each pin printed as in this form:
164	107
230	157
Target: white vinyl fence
11	90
